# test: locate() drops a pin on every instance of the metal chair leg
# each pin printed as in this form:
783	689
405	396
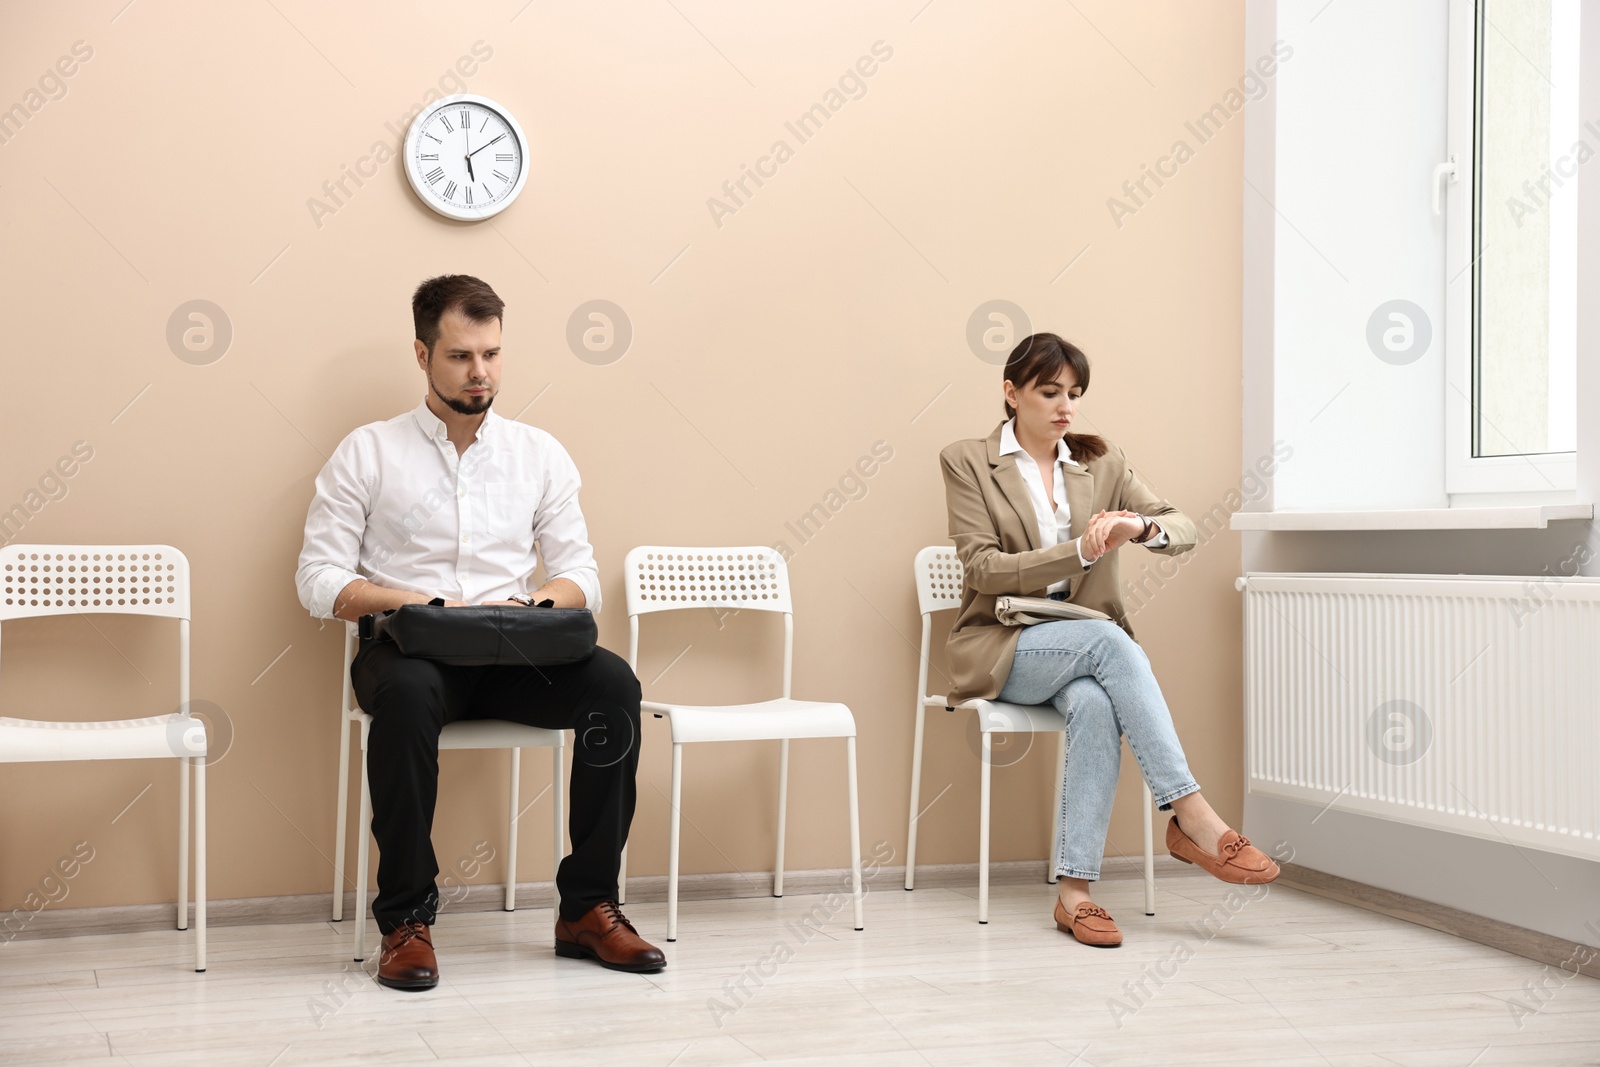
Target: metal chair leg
200	863
340	837
855	827
783	814
672	843
183	842
558	796
1149	852
363	849
916	796
1055	820
511	830
983	827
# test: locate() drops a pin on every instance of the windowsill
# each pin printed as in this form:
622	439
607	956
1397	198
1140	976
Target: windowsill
1530	517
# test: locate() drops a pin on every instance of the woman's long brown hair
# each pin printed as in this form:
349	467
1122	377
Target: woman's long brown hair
1039	357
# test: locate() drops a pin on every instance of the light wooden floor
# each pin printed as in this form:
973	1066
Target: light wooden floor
1286	979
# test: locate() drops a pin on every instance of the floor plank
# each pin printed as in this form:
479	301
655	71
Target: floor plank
1217	976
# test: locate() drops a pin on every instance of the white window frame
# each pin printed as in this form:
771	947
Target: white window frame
1550	476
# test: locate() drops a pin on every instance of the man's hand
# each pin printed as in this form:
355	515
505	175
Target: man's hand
1108	530
564	591
362	597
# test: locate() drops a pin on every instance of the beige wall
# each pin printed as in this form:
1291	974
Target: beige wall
827	314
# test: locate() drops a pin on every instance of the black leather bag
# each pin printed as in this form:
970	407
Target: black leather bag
488	635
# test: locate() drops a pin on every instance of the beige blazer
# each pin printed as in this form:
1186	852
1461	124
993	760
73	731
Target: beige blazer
996	534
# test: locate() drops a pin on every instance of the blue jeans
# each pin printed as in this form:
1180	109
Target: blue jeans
1099	679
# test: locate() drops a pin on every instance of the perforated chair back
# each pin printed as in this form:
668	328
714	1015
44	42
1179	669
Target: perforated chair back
40	580
742	577
939	579
666	578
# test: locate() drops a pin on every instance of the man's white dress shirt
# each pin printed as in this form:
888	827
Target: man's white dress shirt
1051	511
395	505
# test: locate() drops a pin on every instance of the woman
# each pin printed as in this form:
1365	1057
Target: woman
1037	510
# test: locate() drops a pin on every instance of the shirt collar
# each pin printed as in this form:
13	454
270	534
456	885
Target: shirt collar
1008	443
434	426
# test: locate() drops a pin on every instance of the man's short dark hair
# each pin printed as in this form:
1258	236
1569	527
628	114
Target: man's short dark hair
466	294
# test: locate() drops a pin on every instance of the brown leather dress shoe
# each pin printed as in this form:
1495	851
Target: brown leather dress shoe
1089	923
606	936
407	960
1237	860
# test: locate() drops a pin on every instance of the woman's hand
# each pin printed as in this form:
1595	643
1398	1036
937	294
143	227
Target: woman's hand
1108	530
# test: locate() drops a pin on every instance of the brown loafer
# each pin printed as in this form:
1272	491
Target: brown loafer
606	936
1237	860
407	960
1089	923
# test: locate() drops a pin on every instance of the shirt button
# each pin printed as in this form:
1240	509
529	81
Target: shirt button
464	540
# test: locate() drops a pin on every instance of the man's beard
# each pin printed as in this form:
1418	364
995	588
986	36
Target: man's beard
472	405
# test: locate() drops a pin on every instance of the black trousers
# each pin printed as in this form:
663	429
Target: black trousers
411	700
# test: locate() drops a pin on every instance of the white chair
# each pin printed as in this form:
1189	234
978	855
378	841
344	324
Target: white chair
939	584
467	734
120	580
750	578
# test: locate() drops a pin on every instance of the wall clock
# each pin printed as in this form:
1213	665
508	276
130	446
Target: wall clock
466	157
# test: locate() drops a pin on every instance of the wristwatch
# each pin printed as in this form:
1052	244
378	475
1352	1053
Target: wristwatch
522	598
1145	534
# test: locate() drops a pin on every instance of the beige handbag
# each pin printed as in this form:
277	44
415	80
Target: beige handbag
1027	610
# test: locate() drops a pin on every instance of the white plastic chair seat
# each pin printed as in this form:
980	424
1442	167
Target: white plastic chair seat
158	737
995	716
766	720
497	733
465	734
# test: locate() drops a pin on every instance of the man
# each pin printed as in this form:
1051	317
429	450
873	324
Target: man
446	504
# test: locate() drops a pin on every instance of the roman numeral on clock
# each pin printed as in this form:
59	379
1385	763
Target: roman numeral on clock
502	177
434	175
447	127
469	196
450	190
431	155
466	119
503	157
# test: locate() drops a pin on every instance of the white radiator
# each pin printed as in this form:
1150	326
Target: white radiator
1467	704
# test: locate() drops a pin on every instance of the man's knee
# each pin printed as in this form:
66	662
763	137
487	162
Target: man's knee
406	694
607	733
616	681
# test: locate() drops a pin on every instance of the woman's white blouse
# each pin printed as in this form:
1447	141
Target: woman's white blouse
1052	512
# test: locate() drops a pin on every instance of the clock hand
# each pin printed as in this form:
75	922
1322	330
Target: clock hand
482	147
468	132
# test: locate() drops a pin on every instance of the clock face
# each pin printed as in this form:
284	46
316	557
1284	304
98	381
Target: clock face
466	157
